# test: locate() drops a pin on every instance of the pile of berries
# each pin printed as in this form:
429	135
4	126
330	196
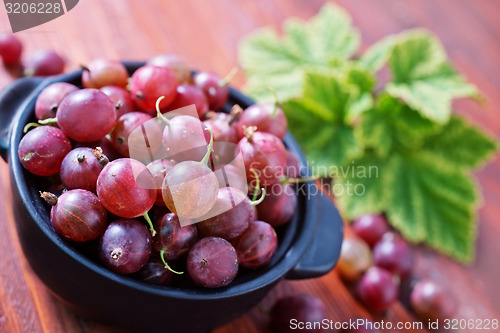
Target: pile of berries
39	63
376	261
136	206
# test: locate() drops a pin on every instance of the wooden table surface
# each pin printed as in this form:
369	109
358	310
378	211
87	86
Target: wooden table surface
206	33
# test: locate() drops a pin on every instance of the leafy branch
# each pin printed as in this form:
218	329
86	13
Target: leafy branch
405	129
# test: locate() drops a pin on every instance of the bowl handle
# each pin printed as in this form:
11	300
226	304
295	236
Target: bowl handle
11	98
324	250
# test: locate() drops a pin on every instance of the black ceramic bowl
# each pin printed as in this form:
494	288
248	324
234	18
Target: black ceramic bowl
309	245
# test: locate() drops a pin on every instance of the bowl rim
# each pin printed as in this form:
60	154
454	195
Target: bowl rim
289	260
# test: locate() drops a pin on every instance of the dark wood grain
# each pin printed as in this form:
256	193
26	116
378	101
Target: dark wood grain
206	33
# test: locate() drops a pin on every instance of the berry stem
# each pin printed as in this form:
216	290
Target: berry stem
257	184
288	180
48	121
162	252
150	223
229	77
249	131
235	113
158	111
210	115
262	197
29	126
29	72
276	101
101	158
50	198
210	148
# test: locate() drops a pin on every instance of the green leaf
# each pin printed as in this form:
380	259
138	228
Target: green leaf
378	54
461	144
427	201
434	203
423	77
423	184
271	61
363	186
319	120
391	124
374	132
359	76
399	151
364	80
